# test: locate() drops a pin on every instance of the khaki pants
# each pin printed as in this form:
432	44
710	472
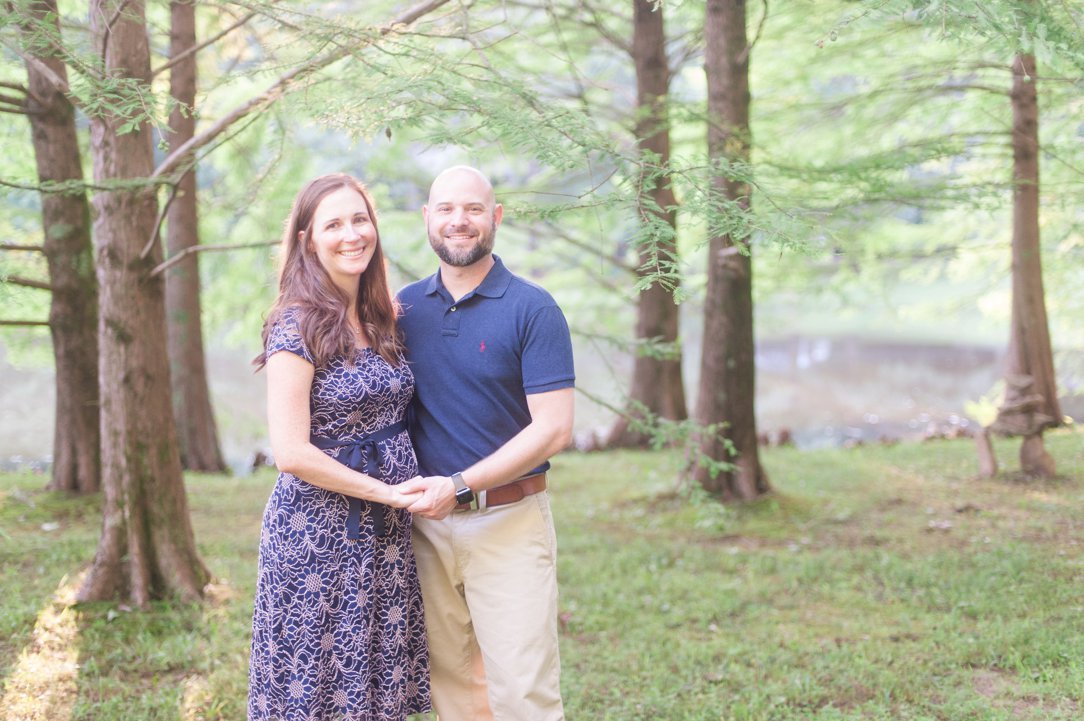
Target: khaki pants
489	585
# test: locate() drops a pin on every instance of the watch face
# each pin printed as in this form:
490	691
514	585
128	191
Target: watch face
464	495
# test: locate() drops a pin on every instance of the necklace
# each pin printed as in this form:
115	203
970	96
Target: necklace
361	340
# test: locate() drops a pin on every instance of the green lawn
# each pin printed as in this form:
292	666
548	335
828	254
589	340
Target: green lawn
883	582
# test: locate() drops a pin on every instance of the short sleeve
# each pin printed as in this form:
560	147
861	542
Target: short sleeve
547	353
285	335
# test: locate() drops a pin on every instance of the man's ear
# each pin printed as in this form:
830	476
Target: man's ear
498	213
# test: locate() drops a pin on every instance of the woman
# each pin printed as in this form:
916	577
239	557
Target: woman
337	631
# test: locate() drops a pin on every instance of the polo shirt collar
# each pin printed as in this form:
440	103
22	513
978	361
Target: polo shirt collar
492	286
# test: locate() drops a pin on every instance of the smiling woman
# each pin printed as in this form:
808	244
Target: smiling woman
337	628
343	237
333	272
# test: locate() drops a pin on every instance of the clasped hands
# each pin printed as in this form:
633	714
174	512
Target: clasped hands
426	496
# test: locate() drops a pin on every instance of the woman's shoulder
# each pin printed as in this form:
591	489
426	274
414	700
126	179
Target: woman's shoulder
284	332
286	316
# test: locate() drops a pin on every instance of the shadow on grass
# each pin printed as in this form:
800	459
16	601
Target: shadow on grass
137	664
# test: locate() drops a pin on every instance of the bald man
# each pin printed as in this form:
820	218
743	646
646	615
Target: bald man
492	358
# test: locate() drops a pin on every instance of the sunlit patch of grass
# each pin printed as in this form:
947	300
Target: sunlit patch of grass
171	661
41	685
44	539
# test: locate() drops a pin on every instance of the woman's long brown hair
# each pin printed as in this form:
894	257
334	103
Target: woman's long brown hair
304	283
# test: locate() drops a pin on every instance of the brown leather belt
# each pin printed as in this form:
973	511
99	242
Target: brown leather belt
517	490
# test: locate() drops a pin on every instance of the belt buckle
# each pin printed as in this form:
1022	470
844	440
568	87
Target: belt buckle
478	504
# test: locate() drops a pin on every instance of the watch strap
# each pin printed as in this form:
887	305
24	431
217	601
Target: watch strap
463	492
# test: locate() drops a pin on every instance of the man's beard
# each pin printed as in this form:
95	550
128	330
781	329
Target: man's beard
482	247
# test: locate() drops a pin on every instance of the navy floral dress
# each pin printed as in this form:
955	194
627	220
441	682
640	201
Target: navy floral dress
337	631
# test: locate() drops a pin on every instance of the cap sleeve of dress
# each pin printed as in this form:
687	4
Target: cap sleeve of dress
285	335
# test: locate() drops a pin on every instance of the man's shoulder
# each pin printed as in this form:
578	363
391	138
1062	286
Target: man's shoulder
530	291
415	290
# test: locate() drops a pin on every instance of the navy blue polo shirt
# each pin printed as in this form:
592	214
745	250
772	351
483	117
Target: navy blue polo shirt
475	361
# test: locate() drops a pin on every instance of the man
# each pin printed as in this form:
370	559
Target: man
492	358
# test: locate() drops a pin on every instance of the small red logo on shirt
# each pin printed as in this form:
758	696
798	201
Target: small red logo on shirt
482	347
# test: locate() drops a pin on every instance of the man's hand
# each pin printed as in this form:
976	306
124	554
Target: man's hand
437	496
400	499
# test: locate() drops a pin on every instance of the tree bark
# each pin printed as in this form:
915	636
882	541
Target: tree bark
196	429
727	369
1031	396
146	549
73	310
657	387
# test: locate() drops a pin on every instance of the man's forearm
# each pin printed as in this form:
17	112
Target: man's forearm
549	432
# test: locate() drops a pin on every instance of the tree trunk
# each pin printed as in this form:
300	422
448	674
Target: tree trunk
725	403
1031	396
73	312
657	387
146	549
196	430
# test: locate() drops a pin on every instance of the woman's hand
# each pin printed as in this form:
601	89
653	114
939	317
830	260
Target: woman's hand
399	499
431	497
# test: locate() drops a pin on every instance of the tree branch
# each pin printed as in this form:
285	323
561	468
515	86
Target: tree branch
686	52
161	216
23	322
73	187
756	36
174	186
1069	12
617	288
28	282
15	246
19	186
599	27
55	80
952	87
12	100
178	257
584	245
406	272
24	91
196	48
277	89
568	15
108	31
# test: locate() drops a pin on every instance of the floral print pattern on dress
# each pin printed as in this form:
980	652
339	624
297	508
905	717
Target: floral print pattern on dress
338	632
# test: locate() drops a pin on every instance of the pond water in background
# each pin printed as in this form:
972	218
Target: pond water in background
823	391
830	391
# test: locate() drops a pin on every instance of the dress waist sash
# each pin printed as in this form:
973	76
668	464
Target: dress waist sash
362	454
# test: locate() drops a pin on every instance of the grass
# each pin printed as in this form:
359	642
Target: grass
883	582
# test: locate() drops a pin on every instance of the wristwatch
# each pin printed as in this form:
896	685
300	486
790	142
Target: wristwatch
463	493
